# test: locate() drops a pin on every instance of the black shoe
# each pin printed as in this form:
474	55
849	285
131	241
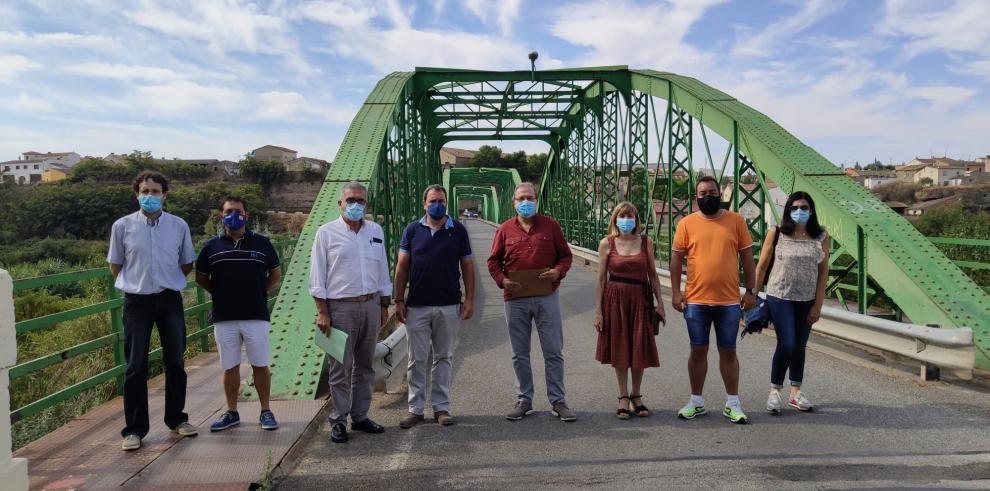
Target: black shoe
338	434
368	426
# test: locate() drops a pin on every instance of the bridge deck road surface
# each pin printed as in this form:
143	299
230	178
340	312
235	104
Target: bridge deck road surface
869	429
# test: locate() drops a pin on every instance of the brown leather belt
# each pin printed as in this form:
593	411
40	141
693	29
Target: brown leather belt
360	298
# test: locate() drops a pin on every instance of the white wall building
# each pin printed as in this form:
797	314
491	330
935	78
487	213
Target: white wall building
32	165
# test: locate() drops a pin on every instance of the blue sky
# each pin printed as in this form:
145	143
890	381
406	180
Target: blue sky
215	78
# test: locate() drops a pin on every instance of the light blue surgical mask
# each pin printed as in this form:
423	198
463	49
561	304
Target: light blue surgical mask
354	211
800	216
625	224
526	208
150	204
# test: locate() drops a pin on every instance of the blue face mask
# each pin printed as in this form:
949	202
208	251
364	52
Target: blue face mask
234	220
354	211
149	203
436	210
526	208
626	225
800	216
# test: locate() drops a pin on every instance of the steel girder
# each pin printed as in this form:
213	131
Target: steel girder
594	121
490	199
504	181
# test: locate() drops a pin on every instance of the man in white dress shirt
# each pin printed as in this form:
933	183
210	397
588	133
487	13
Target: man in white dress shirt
349	280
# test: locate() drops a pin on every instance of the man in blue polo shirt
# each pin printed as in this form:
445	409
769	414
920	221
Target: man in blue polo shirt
238	267
435	252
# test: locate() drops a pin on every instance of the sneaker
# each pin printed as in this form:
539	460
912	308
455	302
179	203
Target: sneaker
226	420
801	403
774	403
185	429
522	409
131	442
563	412
443	418
268	421
690	411
735	414
410	420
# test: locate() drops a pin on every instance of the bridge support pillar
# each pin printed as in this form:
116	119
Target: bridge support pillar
13	472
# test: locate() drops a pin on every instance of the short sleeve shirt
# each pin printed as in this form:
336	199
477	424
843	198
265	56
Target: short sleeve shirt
238	270
435	261
151	253
712	248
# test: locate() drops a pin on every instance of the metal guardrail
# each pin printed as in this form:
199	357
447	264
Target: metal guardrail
113	305
951	349
391	358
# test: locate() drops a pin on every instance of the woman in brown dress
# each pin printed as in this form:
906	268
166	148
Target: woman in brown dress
627	278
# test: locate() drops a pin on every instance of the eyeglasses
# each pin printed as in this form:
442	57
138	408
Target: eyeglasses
801	207
360	201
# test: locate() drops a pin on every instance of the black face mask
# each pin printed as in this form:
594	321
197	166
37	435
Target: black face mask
709	205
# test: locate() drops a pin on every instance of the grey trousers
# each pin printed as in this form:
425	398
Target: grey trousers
351	382
426	328
519	316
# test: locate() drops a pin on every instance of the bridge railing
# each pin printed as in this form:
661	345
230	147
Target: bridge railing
85	353
957	248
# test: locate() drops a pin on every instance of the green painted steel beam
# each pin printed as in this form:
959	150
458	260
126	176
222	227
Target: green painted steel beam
925	284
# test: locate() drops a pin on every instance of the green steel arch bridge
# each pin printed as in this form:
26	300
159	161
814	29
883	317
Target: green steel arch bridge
614	134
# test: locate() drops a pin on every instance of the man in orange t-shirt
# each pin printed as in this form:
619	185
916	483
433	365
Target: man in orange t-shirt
713	240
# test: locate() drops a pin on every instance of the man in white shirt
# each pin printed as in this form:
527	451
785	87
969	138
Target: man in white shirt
349	280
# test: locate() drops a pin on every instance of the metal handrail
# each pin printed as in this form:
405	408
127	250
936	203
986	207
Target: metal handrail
114	305
952	349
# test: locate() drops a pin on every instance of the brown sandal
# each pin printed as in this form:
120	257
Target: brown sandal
622	413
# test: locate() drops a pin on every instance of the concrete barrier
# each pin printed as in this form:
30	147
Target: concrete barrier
13	472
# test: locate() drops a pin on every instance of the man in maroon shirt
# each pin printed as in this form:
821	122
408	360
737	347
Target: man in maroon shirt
527	242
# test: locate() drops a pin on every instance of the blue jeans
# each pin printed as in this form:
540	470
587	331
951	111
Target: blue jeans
700	319
790	321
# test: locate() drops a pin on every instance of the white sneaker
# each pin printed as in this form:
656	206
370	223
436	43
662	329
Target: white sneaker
800	402
185	429
774	403
131	442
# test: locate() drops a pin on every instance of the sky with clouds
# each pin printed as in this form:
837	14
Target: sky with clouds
215	78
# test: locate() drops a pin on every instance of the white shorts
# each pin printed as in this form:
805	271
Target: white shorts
252	334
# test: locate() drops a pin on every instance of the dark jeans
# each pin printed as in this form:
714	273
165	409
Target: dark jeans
790	322
141	312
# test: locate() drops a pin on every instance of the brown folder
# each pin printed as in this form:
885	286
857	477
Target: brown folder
532	284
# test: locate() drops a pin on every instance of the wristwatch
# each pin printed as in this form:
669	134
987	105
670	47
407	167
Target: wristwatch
750	291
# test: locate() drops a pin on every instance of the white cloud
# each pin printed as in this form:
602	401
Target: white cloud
766	40
224	26
27	103
56	40
182	99
934	26
506	12
14	65
355	34
122	72
641	35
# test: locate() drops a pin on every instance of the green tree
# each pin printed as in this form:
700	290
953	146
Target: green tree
486	156
264	172
535	165
925	182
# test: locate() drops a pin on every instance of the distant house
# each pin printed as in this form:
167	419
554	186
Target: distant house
897	206
970	178
56	172
306	163
455	157
115	159
272	152
940	170
877	178
918	209
31	166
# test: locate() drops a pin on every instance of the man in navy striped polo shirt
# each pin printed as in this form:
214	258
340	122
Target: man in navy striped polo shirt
238	267
434	253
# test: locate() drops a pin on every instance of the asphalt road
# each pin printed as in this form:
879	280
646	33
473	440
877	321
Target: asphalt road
870	429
